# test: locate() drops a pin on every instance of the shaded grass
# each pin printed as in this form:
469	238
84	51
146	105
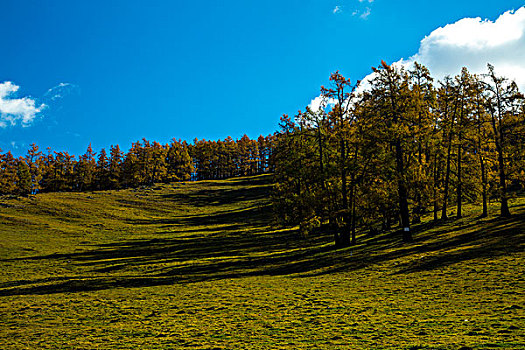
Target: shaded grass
197	265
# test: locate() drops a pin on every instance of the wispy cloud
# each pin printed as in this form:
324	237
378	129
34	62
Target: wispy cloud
16	110
365	13
60	91
17	145
336	9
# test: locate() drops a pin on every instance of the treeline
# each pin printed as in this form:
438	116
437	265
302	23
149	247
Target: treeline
401	147
226	158
145	163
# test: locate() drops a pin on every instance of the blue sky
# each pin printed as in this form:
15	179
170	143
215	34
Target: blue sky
113	72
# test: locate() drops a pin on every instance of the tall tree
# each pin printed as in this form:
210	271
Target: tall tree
504	100
115	165
101	177
391	92
23	182
447	109
179	163
340	94
421	108
8	173
34	161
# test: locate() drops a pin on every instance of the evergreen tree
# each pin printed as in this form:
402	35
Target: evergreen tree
102	172
23	182
8	174
504	101
179	165
391	94
115	165
35	163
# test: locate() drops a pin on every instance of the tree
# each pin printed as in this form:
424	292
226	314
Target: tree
504	100
340	92
178	162
115	165
131	166
85	170
34	161
24	184
390	92
422	103
101	178
448	109
8	173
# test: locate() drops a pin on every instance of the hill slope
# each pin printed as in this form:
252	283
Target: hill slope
198	265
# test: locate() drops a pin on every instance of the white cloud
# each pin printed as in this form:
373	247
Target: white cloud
369	1
14	110
472	43
317	104
336	9
321	103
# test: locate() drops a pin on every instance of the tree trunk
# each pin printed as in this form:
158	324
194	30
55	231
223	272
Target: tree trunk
321	164
387	221
403	193
436	179
504	210
353	224
444	215
345	233
483	186
459	189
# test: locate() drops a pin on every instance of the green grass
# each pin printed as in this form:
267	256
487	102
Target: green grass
197	265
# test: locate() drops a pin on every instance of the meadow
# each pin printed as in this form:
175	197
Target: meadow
200	265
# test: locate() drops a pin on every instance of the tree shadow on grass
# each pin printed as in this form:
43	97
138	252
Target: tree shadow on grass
488	239
226	192
497	237
239	243
167	261
224	244
255	216
219	197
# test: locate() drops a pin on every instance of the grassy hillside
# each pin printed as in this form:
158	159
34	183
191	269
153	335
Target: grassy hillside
198	265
